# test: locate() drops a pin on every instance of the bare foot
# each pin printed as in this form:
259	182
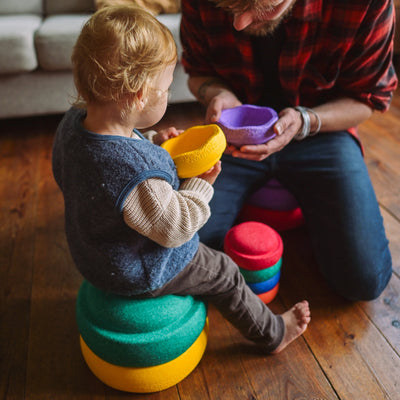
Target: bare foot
296	320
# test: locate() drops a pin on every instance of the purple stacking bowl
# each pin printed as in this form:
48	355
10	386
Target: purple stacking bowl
273	196
248	124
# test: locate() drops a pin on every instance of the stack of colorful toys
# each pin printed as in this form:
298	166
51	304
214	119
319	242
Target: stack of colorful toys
140	345
273	205
257	249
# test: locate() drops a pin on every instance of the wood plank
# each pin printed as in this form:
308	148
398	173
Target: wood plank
292	374
221	369
55	366
383	133
194	387
384	312
381	138
348	347
168	394
19	160
392	227
395	104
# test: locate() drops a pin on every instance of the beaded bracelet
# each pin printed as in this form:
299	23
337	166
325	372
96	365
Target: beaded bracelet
305	131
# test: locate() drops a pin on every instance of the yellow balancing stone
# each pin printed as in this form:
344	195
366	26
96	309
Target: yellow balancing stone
196	150
147	379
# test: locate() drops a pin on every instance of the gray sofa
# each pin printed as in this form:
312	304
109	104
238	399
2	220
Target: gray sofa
36	40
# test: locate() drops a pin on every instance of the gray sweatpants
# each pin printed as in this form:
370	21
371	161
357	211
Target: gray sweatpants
214	277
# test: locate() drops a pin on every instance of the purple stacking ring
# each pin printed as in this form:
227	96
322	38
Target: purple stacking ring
248	124
273	196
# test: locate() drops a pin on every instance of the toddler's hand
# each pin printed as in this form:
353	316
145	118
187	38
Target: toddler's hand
165	134
211	175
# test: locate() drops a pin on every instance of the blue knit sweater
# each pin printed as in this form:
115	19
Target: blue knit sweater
96	173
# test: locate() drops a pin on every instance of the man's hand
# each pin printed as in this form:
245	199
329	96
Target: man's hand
287	126
225	99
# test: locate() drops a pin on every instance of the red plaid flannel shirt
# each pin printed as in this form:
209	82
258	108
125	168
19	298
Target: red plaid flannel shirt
334	48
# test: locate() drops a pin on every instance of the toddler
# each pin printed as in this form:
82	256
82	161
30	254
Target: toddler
131	224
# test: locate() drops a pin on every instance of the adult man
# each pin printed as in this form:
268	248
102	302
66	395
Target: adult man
332	55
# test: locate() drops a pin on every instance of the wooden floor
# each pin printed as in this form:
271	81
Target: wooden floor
350	351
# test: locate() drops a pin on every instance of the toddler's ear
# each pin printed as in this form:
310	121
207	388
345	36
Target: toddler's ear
142	102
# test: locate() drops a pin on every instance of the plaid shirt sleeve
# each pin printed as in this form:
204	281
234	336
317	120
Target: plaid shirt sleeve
367	72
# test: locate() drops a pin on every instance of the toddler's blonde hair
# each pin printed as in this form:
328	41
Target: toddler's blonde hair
118	54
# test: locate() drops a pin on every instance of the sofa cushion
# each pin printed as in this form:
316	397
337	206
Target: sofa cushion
55	40
68	6
36	93
172	22
155	7
56	37
17	51
21	7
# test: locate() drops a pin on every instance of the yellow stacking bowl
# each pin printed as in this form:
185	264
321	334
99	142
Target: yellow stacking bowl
196	150
147	379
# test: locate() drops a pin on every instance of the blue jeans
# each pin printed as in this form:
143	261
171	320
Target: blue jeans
328	176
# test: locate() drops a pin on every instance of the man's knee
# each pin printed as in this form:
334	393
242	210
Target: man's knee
364	286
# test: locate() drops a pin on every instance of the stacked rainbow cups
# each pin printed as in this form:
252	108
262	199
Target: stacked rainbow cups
257	249
273	205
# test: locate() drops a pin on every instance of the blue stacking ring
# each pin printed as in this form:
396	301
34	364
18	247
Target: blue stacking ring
262	287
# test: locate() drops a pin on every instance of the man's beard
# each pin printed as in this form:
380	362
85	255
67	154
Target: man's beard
265	28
